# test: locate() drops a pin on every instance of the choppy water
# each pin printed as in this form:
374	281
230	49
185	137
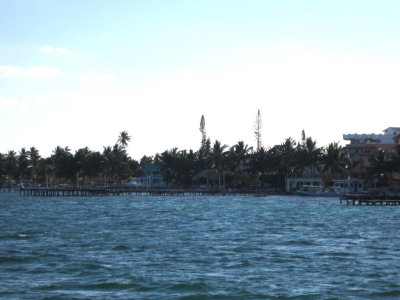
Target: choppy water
197	248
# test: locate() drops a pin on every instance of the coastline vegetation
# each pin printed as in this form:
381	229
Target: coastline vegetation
237	166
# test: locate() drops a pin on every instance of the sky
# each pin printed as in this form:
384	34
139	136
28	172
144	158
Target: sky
77	73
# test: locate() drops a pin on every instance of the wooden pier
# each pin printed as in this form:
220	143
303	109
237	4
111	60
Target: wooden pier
361	199
71	192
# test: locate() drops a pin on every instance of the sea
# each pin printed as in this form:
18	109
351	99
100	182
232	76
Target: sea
197	247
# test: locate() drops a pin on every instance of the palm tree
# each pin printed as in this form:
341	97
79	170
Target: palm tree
23	163
124	138
308	155
121	164
335	161
238	155
80	159
287	152
107	162
238	159
219	161
261	162
47	168
167	160
93	166
287	156
63	163
11	165
34	158
380	167
177	166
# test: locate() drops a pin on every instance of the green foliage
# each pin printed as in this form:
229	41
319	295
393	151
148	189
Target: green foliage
235	166
251	181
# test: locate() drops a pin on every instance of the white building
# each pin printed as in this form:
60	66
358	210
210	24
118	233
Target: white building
389	136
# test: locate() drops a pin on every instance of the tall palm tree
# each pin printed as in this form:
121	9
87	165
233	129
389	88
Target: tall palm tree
124	138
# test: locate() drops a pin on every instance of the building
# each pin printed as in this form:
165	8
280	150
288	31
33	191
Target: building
293	184
151	178
364	146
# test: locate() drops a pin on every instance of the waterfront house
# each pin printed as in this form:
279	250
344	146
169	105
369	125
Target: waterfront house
349	185
293	184
152	177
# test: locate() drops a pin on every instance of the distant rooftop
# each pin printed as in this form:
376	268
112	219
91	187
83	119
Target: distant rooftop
389	136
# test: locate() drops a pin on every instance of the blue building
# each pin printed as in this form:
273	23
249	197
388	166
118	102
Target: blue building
152	177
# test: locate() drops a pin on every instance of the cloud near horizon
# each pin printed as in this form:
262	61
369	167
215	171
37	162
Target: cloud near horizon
47	48
7	71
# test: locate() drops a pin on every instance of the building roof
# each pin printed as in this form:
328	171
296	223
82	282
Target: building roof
396	129
372	138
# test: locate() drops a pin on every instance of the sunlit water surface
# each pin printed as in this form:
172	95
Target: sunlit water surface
139	247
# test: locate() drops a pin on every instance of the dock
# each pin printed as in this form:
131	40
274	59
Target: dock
81	192
365	199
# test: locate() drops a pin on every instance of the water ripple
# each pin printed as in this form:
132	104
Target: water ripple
197	248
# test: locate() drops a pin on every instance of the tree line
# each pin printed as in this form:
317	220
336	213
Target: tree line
84	166
237	166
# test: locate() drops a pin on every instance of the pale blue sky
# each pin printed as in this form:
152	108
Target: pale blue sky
77	73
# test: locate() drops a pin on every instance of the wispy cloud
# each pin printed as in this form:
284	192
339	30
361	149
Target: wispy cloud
47	48
32	72
98	79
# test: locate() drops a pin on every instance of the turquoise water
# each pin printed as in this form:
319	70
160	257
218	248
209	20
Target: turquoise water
138	247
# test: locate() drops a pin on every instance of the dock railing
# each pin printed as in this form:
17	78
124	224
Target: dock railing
95	191
370	199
